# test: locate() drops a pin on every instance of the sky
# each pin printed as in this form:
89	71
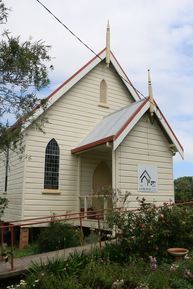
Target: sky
145	34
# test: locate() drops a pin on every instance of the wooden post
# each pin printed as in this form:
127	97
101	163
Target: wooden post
1	245
99	230
78	182
24	238
81	232
12	241
105	206
2	232
85	206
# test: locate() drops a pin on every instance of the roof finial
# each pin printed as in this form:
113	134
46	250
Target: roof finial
150	92
108	44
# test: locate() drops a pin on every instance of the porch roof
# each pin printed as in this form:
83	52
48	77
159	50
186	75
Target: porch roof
116	126
111	126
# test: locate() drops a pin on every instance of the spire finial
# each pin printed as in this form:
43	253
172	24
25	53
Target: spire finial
150	92
108	44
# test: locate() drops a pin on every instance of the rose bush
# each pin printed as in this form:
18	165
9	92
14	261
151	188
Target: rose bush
151	230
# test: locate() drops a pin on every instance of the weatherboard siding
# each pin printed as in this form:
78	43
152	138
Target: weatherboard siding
70	119
2	174
145	144
14	186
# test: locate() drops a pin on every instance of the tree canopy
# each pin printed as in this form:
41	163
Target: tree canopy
183	189
23	72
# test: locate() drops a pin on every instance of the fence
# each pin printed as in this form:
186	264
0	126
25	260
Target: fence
97	215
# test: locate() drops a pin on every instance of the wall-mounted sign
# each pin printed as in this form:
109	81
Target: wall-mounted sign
147	178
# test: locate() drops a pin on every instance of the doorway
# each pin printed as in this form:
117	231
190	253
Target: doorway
102	185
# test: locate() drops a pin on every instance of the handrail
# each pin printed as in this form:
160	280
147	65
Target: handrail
122	209
68	217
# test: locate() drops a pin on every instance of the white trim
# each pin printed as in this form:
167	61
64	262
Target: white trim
78	77
67	86
169	133
125	132
124	78
24	183
51	191
78	182
103	104
80	74
114	183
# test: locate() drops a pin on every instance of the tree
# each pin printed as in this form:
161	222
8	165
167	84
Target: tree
3	12
3	206
183	189
23	72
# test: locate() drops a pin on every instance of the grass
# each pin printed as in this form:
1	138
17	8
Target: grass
30	250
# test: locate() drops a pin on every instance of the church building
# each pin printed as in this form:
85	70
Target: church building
101	141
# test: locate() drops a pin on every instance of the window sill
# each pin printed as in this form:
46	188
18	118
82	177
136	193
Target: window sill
103	104
51	191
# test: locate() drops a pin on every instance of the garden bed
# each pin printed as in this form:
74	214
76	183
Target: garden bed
138	260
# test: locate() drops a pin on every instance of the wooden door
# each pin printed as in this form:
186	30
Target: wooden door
102	184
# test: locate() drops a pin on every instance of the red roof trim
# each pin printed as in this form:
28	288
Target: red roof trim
130	119
93	144
170	127
76	73
83	67
125	74
59	87
73	76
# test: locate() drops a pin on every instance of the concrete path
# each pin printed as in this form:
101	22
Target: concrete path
22	264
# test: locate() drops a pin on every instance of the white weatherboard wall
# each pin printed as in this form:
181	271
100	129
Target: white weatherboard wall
145	144
15	186
70	119
2	174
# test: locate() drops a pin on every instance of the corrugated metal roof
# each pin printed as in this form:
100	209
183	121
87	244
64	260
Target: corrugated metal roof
111	124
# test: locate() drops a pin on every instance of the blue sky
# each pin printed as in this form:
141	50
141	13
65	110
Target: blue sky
144	34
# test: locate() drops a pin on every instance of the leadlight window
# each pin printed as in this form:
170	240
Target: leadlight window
51	172
103	91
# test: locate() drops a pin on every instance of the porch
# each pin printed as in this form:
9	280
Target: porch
95	182
89	206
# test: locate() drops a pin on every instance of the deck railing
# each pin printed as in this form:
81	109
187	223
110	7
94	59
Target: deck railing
79	217
98	215
87	206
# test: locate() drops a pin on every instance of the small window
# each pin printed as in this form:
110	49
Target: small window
51	172
103	91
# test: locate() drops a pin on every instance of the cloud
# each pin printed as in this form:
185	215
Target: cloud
144	34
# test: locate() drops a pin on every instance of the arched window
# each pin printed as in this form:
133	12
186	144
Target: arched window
103	91
51	171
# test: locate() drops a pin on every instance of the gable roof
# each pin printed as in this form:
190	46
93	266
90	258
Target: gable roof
135	111
78	75
116	126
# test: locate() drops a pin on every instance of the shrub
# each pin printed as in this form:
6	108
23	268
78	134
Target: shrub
51	281
96	275
151	230
90	271
57	236
115	252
